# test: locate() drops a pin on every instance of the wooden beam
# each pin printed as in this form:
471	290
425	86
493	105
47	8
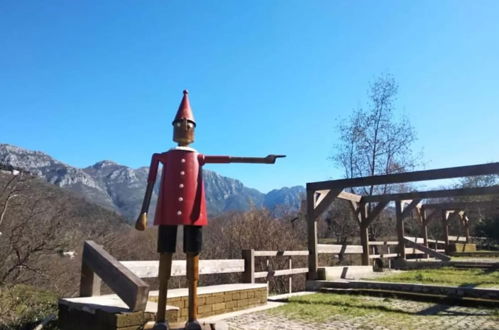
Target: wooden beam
374	213
311	237
290	253
480	191
364	240
319	195
428	251
149	268
249	266
443	173
90	283
461	205
410	207
128	286
350	197
324	202
280	272
356	209
445	224
339	249
400	228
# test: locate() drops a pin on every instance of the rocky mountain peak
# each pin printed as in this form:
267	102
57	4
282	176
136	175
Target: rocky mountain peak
104	163
120	188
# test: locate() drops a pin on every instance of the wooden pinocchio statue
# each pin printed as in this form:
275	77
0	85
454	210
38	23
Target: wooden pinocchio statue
181	201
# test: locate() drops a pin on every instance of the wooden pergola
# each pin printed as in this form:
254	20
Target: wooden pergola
445	209
321	194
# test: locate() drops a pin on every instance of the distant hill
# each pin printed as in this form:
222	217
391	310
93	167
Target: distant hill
120	188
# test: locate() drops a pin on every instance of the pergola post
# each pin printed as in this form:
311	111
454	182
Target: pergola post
467	229
424	222
465	225
364	241
400	228
312	237
445	224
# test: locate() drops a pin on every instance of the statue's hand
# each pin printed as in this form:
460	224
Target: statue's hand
141	222
271	158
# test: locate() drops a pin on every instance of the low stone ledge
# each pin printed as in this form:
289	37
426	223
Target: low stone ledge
344	272
450	291
218	299
109	312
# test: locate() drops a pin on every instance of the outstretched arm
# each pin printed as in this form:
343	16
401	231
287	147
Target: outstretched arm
141	222
270	159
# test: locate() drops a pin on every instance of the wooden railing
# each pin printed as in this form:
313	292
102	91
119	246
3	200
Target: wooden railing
149	268
250	274
124	277
98	264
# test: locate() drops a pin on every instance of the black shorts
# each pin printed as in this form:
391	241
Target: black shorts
167	239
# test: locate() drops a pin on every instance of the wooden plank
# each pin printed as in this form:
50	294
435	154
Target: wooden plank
413	251
249	265
339	249
477	191
128	286
457	239
430	252
280	253
378	243
90	283
281	272
149	268
421	240
350	197
387	255
436	174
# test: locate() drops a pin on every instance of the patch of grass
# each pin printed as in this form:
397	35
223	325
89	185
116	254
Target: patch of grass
324	306
23	306
363	312
447	276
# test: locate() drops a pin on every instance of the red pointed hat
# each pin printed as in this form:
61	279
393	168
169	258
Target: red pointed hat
184	110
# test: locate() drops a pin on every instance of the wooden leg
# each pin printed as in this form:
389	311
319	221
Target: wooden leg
165	267
193	277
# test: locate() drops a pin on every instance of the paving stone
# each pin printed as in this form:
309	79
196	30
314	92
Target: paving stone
417	315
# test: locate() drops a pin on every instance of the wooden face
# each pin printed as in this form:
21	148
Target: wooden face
183	132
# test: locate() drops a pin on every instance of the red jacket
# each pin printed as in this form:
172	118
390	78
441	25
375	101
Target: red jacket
181	198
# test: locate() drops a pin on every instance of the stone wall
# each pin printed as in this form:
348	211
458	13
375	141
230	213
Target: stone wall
108	312
217	299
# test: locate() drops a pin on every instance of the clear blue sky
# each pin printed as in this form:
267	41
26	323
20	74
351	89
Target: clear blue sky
90	80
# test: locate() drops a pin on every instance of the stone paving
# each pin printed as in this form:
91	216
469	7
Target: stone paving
407	315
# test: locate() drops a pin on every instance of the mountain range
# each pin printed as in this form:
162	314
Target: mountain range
120	188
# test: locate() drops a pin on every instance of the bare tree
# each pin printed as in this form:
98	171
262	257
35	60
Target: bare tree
374	142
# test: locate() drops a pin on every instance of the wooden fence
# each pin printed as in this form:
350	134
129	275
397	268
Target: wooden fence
124	277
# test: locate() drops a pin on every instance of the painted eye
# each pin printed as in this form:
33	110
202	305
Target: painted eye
178	124
190	125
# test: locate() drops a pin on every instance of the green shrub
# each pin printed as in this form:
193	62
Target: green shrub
23	306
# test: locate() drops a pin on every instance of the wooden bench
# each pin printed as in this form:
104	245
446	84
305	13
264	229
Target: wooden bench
132	305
